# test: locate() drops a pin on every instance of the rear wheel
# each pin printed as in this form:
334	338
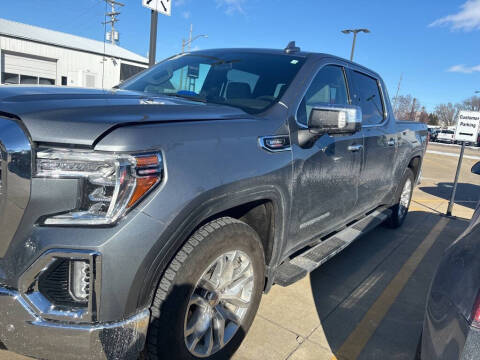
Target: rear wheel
400	209
209	295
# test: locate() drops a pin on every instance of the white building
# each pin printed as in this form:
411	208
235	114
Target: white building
34	55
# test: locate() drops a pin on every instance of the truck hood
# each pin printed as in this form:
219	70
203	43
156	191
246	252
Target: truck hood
66	115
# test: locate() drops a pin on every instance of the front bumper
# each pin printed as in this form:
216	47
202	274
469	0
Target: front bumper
23	332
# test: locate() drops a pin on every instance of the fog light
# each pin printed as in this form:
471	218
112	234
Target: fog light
80	280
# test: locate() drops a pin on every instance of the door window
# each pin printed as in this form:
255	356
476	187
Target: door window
366	94
327	88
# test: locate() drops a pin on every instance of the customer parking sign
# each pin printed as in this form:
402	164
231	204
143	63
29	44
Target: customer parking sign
468	126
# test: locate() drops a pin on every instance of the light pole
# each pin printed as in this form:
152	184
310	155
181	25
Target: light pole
355	32
189	44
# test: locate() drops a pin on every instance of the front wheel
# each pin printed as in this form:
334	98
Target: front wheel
209	295
400	209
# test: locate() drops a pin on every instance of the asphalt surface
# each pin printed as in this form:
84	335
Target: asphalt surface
368	301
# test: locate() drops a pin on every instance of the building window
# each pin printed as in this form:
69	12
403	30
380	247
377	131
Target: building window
45	81
15	79
8	78
28	80
64	81
127	71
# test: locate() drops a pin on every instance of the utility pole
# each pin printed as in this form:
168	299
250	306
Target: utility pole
398	92
354	32
113	36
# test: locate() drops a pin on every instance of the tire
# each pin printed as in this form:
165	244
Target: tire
180	297
400	209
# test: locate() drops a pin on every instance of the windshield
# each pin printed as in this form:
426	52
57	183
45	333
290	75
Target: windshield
250	81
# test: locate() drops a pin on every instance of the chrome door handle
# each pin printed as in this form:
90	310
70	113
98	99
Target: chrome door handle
355	148
391	142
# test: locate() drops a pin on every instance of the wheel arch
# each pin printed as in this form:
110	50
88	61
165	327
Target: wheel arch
252	206
415	164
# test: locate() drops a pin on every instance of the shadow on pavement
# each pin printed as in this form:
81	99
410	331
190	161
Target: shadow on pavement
467	194
347	286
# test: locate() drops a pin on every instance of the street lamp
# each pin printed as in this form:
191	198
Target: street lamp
189	42
355	32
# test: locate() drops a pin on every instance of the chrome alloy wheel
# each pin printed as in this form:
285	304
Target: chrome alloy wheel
405	198
219	303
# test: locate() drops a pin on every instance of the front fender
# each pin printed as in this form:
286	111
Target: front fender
205	207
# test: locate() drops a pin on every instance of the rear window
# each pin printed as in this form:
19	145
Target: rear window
366	94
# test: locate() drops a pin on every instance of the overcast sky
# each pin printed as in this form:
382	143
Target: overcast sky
434	43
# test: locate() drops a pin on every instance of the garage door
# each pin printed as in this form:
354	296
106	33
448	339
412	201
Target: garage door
24	69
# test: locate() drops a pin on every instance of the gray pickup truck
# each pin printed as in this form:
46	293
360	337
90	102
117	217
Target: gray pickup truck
147	221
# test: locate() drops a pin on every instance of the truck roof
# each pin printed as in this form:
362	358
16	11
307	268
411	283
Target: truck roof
304	54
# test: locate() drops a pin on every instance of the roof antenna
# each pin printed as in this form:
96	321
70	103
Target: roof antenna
292	48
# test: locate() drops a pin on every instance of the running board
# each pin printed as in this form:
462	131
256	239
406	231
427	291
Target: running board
298	267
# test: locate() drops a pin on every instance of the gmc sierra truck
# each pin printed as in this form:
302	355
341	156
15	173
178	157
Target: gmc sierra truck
147	220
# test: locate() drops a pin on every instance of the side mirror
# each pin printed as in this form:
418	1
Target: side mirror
333	119
476	168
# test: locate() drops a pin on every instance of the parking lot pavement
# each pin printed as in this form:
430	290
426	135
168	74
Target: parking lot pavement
367	302
454	147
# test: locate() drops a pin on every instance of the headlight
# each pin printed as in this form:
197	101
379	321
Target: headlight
111	183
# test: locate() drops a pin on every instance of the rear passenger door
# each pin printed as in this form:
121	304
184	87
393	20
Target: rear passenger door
380	141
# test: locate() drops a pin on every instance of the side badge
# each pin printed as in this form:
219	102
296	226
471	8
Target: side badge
275	143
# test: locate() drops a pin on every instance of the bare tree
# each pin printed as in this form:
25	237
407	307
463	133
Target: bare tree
432	119
446	114
471	104
423	117
406	107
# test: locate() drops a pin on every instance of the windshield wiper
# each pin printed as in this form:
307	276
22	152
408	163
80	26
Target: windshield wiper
188	97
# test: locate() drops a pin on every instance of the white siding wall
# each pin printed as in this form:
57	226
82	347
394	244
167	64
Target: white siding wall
74	64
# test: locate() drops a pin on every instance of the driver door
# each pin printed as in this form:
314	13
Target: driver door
326	173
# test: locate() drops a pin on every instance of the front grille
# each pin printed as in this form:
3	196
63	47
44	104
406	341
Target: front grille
54	284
